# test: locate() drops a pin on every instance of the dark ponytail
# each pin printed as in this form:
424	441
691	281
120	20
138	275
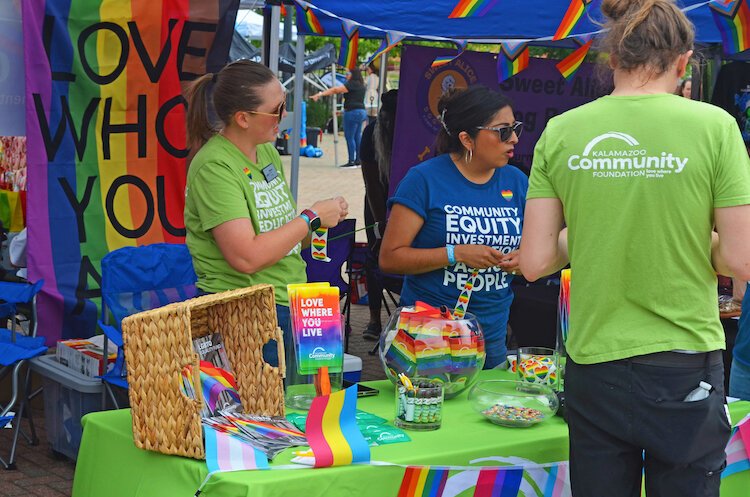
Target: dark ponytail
199	128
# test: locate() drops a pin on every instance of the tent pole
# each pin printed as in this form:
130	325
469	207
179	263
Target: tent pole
299	85
383	75
273	53
335	120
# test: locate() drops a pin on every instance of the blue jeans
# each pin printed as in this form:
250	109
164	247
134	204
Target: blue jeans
739	381
353	120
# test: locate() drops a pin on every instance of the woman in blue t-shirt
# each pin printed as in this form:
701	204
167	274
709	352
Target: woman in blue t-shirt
462	210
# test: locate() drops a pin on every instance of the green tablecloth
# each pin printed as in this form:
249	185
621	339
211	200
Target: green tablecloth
110	464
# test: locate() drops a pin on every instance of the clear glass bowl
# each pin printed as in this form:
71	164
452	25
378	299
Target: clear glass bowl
513	403
447	350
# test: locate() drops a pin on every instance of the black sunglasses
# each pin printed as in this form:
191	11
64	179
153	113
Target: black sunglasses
505	132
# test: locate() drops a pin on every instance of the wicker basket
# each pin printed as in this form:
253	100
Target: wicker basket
158	345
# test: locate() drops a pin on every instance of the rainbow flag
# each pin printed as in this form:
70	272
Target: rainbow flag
307	21
444	59
106	136
349	44
570	19
423	481
498	482
570	64
512	59
227	453
732	18
214	381
471	8
332	432
392	38
738	449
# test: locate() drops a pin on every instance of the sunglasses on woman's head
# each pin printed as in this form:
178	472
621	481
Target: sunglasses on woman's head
505	132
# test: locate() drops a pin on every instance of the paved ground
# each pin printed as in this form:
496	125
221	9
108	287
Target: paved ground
40	473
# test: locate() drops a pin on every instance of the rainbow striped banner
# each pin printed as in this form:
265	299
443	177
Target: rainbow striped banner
392	38
570	19
332	432
306	18
227	453
570	64
444	59
471	8
422	481
105	123
349	44
512	59
732	18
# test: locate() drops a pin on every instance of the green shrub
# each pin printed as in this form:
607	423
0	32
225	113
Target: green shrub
318	113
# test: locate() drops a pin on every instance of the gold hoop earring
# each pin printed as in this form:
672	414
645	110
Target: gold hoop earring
468	155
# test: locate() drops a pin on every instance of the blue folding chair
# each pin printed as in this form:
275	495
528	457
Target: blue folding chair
136	279
340	251
16	348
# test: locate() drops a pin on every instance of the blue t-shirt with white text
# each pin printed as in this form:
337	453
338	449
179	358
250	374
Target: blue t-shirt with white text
458	212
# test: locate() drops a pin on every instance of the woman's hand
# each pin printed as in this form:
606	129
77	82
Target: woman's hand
478	256
332	211
315	97
510	261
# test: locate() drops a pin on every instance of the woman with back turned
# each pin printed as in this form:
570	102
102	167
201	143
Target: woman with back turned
641	177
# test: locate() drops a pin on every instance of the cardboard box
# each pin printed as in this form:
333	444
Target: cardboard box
86	356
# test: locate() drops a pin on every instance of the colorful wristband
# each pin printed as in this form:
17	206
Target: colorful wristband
306	218
451	250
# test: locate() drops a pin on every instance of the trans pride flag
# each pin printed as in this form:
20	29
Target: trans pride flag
512	59
227	453
105	123
732	18
332	431
349	45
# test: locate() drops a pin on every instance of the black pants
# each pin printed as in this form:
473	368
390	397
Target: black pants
628	417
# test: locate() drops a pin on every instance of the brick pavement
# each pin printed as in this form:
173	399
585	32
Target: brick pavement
40	473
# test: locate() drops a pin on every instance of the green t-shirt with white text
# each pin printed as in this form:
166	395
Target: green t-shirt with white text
222	185
639	178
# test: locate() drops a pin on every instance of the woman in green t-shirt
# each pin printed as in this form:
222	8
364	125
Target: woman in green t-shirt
241	220
640	177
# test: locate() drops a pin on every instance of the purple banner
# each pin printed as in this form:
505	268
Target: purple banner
538	94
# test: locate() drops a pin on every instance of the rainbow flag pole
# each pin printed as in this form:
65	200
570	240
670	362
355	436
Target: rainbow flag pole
570	64
349	44
512	59
732	18
572	16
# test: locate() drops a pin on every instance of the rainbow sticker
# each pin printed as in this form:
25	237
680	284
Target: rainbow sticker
507	195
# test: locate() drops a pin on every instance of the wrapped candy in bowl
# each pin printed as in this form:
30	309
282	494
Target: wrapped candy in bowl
513	403
425	342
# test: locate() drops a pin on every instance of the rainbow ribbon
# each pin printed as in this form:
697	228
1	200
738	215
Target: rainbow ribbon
570	19
319	245
563	306
445	59
349	44
570	64
471	8
463	299
732	18
512	59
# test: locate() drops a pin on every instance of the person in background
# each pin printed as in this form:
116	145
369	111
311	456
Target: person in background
377	143
371	94
460	211
241	220
644	379
686	88
354	113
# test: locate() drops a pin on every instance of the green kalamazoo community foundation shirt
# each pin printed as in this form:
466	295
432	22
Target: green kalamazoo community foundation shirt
219	190
639	178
